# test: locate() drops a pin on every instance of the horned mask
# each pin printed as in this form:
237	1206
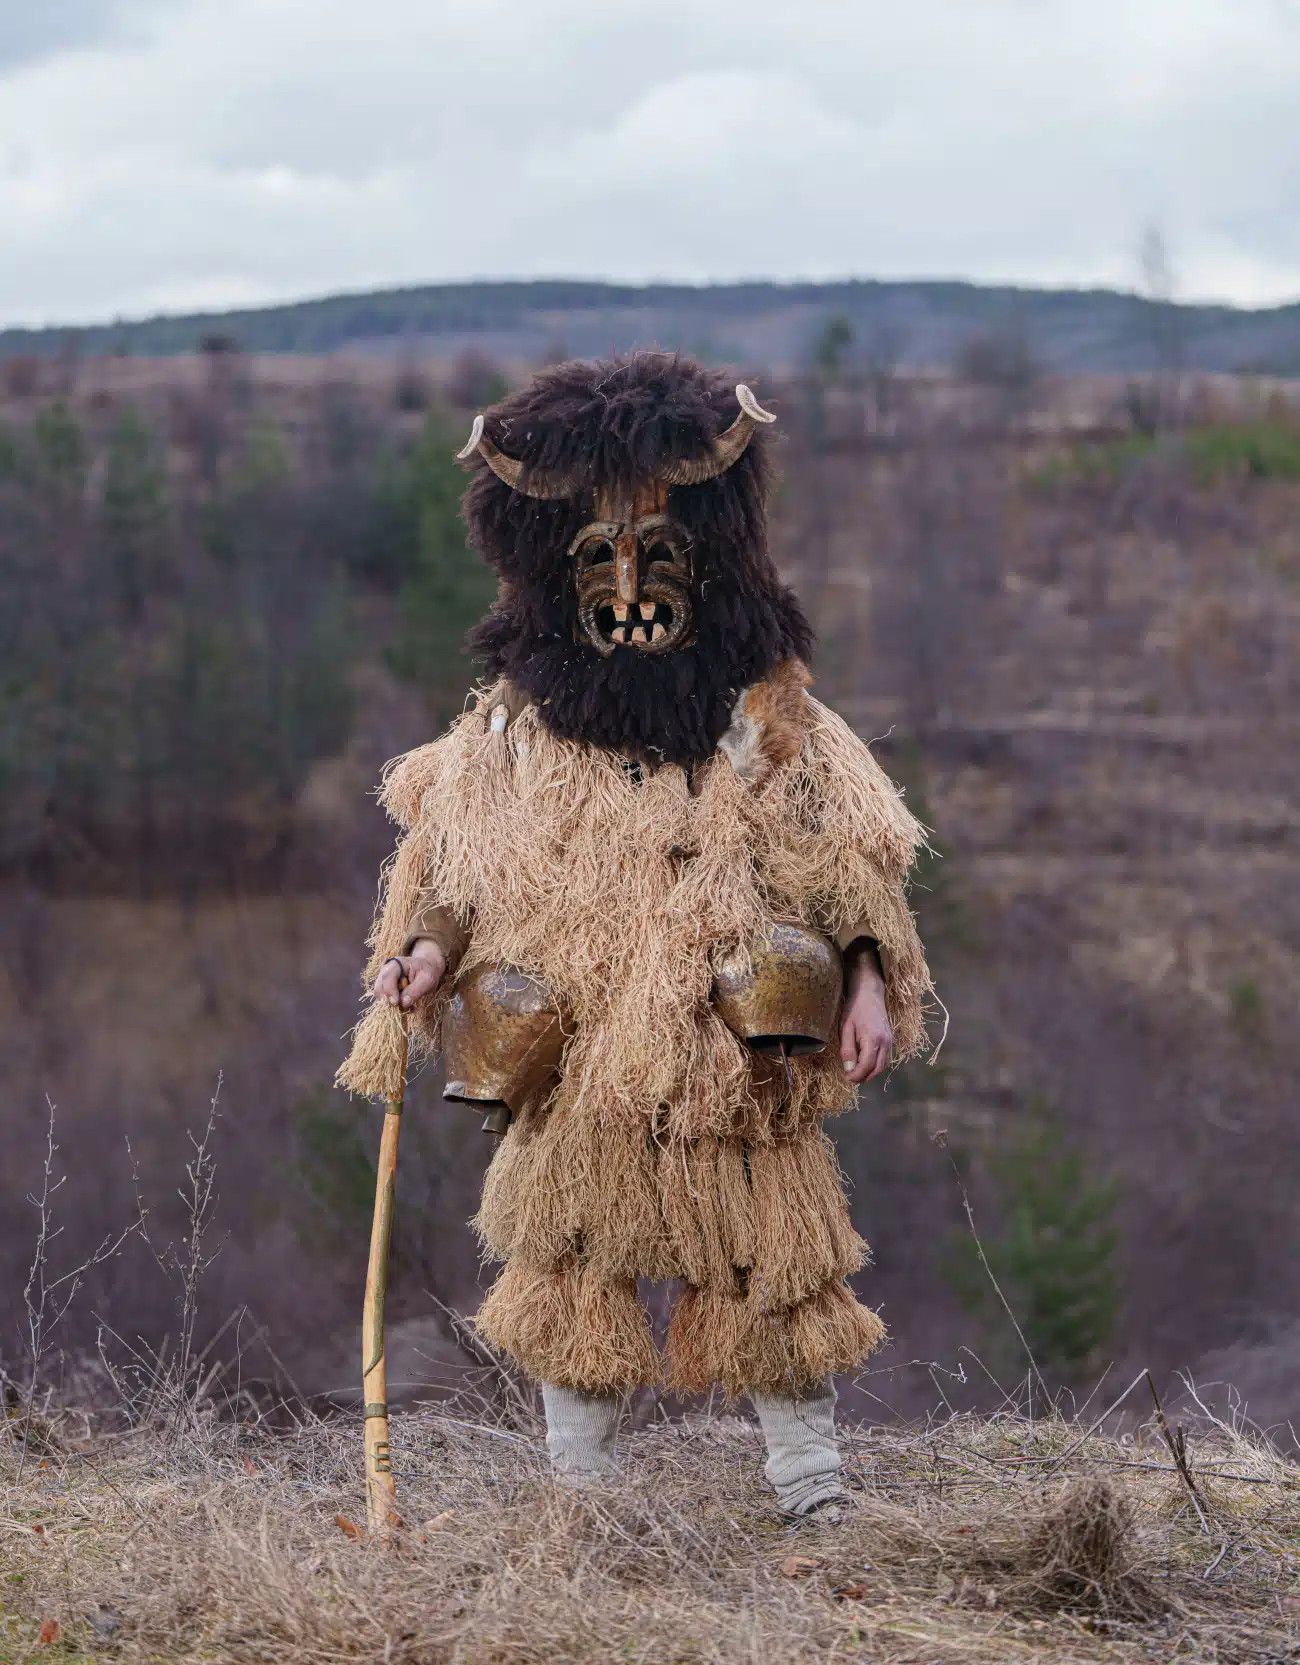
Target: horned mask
631	562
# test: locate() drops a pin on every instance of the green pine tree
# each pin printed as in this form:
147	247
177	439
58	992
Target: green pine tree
134	510
446	589
1054	1256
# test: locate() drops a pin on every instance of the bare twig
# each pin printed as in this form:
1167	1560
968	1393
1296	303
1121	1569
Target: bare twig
941	1139
1007	1399
1109	1411
177	1370
1126	1462
200	1201
169	1380
495	1433
517	1395
47	1298
1178	1450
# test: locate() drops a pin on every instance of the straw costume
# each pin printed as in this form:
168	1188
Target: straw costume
642	784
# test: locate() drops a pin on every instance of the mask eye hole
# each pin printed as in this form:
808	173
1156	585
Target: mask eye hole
664	543
595	552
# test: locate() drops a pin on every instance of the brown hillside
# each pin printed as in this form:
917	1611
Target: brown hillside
1078	644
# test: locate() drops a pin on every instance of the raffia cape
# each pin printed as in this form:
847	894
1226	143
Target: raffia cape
667	1150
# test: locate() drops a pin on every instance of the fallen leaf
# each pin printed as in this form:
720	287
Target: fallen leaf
250	1467
50	1631
437	1522
349	1526
799	1566
39	1530
850	1592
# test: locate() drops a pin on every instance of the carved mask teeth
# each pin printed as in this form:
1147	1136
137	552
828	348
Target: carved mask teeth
639	624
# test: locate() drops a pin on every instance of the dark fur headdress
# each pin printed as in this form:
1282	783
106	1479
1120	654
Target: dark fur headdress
613	423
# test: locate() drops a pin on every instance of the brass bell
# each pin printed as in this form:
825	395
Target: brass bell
784	995
502	1040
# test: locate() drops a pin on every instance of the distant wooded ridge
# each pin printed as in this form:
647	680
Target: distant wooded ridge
892	324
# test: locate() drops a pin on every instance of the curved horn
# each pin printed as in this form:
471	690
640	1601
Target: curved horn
531	482
472	443
726	449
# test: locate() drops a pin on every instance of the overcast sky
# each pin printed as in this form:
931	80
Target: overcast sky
177	154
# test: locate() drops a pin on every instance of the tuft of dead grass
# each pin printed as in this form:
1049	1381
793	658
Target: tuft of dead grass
968	1540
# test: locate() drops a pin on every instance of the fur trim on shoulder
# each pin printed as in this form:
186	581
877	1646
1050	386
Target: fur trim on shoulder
501	695
768	722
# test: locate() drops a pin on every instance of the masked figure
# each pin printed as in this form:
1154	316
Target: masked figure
645	892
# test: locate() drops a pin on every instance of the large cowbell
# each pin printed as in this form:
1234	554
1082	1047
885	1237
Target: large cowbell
502	1041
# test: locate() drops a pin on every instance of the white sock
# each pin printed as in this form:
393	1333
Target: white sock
580	1431
803	1460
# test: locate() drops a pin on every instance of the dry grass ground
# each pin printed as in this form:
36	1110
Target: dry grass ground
968	1540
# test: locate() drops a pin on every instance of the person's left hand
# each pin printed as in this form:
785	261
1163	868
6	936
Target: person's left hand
866	1036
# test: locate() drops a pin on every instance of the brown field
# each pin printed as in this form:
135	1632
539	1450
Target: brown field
200	1537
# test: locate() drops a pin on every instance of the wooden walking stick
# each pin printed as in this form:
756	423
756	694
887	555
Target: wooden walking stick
382	1517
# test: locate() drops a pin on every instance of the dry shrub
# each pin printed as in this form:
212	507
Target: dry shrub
21	376
474	380
1077	1550
411	390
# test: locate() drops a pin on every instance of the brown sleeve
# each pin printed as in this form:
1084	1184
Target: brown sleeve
440	925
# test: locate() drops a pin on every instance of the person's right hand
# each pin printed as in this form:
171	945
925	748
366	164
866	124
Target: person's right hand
423	969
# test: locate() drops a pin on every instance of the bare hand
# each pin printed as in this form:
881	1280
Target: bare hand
422	969
866	1035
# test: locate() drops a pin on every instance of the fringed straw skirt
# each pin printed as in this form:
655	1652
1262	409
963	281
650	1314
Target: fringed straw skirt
754	1232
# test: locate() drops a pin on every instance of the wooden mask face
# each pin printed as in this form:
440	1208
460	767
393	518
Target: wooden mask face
632	569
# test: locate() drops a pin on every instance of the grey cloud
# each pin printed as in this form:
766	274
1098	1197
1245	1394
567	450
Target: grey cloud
259	149
30	30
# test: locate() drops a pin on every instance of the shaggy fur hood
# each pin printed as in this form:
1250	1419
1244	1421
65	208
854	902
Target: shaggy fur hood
612	422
